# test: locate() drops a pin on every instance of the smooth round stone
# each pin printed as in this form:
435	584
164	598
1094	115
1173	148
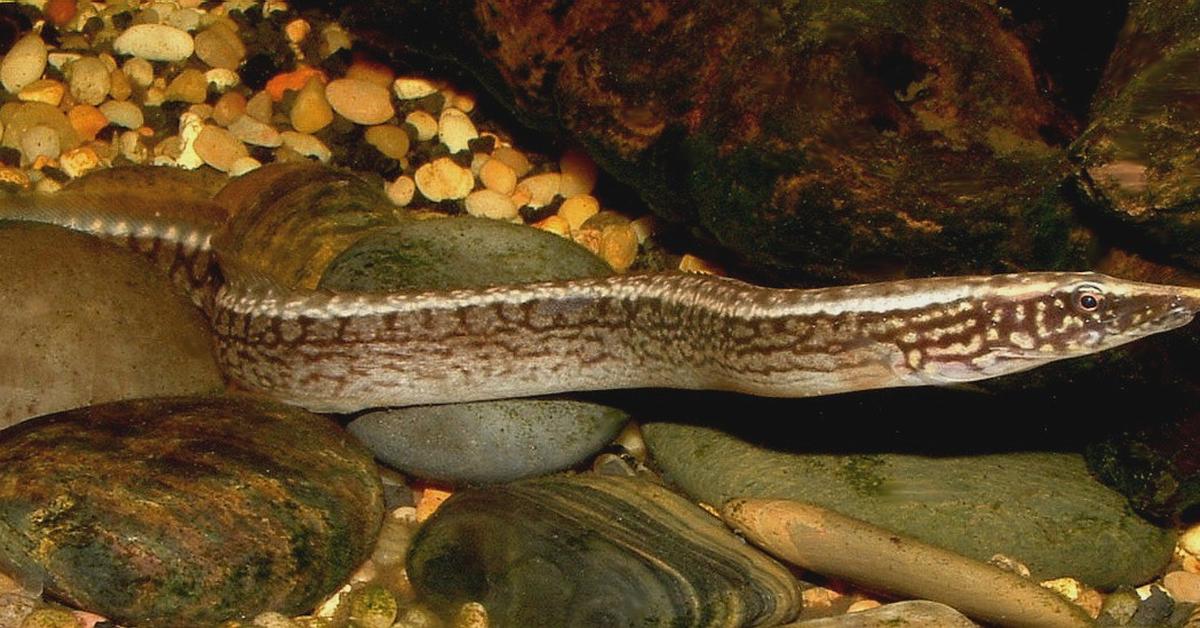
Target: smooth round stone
310	111
17	119
490	204
442	179
123	114
498	176
220	47
187	511
86	322
190	86
155	42
456	130
457	252
488	442
360	102
40	141
23	63
388	139
1041	509
251	131
591	550
219	147
89	80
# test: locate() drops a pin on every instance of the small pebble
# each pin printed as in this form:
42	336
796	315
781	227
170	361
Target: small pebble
242	165
425	124
577	209
229	107
139	71
691	264
131	147
14	176
185	19
554	224
442	179
120	87
412	87
297	30
220	47
123	114
862	605
515	160
260	107
401	190
59	60
255	133
497	175
470	615
370	72
89	80
373	607
221	79
87	121
456	130
360	102
618	246
60	12
189	85
292	81
155	42
1189	541
310	111
40	141
333	39
388	139
23	64
430	500
645	227
307	145
1183	586
490	204
578	174
541	188
79	161
47	91
219	148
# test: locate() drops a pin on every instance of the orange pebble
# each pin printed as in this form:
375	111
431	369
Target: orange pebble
59	12
294	80
87	121
429	501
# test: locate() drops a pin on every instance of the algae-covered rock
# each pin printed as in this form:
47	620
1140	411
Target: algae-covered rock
1042	509
83	322
457	252
595	551
186	511
1138	162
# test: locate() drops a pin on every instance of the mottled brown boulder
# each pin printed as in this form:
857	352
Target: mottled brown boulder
1138	161
844	141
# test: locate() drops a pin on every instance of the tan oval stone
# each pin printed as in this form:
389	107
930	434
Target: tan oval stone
189	86
577	209
1183	586
218	147
251	131
139	71
413	87
491	204
514	158
89	80
220	47
442	179
310	111
401	190
425	124
47	91
388	139
123	113
360	102
155	42
497	175
229	107
23	64
86	322
542	188
121	88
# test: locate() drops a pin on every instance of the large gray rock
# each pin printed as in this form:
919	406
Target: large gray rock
84	322
1042	509
492	441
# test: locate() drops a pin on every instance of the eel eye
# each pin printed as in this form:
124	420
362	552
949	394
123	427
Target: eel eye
1088	299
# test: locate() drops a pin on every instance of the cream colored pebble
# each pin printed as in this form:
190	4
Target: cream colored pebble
401	190
307	145
139	71
862	605
242	165
491	204
425	124
456	130
155	42
542	188
578	209
1183	586
497	175
359	101
554	224
24	63
442	179
260	107
388	139
515	160
413	87
79	161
